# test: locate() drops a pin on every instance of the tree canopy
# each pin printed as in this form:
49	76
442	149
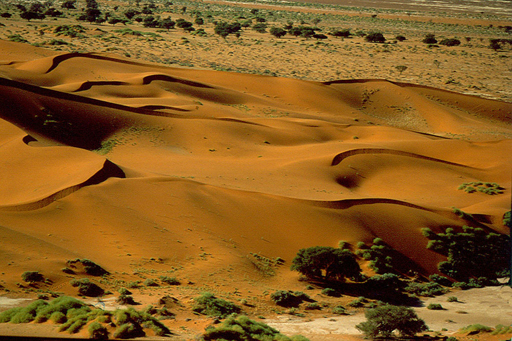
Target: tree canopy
326	263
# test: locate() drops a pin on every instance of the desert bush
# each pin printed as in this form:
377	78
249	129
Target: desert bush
243	328
97	331
435	306
208	304
425	289
326	263
339	310
224	29
289	298
452	299
170	280
475	329
124	291
375	37
468	250
400	38
260	27
58	317
277	32
150	282
429	39
385	282
329	292
32	276
87	288
128	331
440	280
345	33
501	329
126	300
507	218
450	42
313	306
358	302
386	319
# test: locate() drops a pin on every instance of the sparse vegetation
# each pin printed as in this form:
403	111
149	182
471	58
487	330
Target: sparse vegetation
32	276
435	306
490	188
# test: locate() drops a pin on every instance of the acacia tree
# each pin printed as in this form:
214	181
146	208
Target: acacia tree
326	263
384	320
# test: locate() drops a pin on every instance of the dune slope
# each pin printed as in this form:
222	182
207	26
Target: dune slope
122	162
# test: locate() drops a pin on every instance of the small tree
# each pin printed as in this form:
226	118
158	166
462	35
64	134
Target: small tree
429	39
401	68
384	320
326	263
277	32
375	37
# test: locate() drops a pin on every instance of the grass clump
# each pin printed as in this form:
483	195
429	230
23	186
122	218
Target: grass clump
452	299
501	329
169	280
339	310
208	304
97	331
358	302
435	306
475	329
243	328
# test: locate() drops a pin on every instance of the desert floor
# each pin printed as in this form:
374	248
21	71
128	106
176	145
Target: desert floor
167	153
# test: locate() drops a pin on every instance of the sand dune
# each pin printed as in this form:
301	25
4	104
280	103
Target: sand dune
121	162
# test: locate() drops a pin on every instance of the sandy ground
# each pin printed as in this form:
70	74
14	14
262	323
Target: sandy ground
210	176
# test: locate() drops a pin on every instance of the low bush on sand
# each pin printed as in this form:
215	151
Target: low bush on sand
243	328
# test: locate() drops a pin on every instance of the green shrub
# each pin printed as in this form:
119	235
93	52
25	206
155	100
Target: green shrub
429	39
450	42
339	310
242	328
208	304
435	306
313	306
32	276
128	331
425	289
501	329
358	302
452	299
375	37
475	329
17	38
124	291
126	300
170	280
330	292
385	319
87	288
90	267
289	298
97	331
490	188
58	317
150	282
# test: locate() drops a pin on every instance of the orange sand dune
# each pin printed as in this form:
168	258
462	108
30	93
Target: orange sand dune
122	162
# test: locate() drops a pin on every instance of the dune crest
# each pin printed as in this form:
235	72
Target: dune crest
163	162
